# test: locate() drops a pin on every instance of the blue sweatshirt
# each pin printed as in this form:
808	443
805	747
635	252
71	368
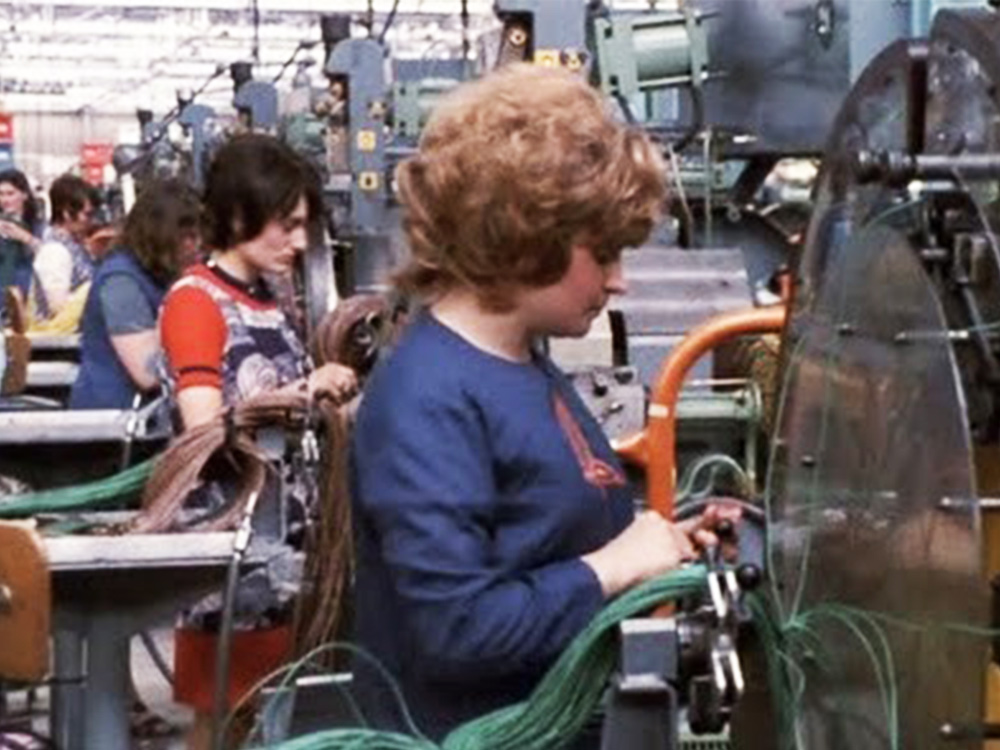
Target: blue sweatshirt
478	483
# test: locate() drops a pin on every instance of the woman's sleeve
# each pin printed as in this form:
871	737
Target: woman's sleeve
193	334
425	485
124	307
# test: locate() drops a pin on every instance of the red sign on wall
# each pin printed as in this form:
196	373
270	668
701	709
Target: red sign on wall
6	127
96	154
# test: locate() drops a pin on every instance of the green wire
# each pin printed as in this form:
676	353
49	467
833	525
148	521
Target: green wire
716	463
559	706
96	495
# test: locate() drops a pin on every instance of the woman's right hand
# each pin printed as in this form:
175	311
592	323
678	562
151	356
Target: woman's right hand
335	381
648	547
10	230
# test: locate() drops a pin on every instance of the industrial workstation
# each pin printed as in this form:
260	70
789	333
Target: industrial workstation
500	374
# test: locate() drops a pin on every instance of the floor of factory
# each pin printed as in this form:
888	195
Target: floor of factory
157	693
153	688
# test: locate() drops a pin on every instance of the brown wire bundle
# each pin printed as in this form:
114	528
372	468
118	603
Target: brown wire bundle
350	335
178	471
321	605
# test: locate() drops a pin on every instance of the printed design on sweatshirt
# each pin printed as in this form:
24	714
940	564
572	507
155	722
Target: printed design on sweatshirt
597	472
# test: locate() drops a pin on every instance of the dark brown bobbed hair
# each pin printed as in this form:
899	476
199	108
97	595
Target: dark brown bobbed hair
68	194
252	180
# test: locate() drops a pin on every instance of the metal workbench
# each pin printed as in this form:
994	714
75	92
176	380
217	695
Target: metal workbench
105	589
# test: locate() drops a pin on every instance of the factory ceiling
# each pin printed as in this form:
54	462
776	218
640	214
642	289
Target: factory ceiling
118	55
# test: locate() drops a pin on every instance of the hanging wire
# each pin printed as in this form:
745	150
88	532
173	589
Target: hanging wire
388	22
306	44
369	22
688	216
255	17
466	47
626	108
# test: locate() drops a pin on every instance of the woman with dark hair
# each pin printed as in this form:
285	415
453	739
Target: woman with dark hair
20	230
226	339
120	345
224	335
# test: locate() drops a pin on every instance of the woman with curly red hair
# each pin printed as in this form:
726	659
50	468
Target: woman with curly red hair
493	519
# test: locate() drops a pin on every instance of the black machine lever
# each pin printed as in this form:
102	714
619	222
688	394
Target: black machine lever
965	732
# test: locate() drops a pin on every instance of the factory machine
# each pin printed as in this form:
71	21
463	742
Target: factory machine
877	501
868	475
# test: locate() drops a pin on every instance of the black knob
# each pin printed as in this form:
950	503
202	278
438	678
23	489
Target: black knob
749	576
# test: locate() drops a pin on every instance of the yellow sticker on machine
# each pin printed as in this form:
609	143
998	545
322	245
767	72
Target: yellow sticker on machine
549	58
367	140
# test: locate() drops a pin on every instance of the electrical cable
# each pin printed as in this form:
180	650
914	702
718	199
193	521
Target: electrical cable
625	107
684	511
388	22
100	494
370	18
466	47
224	649
289	674
157	657
291	58
560	705
712	462
255	18
697	118
687	222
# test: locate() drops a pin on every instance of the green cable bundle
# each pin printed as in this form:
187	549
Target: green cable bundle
95	495
559	706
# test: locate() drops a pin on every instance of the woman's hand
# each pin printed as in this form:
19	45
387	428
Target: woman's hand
649	546
652	545
10	230
334	381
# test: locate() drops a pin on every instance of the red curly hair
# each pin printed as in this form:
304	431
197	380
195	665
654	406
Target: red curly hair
512	171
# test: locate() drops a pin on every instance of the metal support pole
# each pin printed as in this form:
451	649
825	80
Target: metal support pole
106	700
67	689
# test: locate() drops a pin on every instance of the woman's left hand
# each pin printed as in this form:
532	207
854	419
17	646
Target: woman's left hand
334	381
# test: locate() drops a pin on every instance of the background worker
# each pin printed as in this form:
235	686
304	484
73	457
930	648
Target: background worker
223	332
493	519
21	228
226	339
120	344
63	265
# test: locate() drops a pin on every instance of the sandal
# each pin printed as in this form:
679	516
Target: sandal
146	725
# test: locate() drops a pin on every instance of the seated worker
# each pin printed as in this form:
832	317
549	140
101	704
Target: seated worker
493	520
20	228
63	265
120	344
225	339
